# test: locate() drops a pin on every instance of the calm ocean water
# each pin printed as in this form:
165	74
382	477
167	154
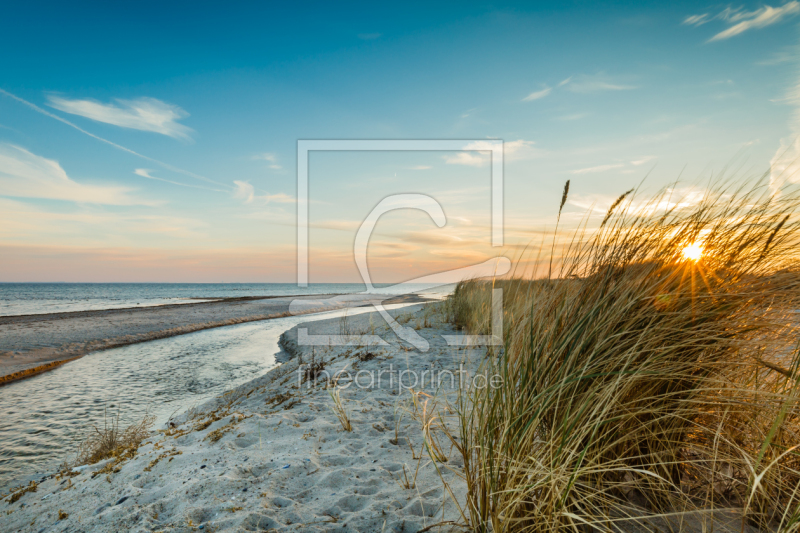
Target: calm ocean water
38	298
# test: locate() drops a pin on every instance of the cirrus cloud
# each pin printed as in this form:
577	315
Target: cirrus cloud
536	95
247	193
760	18
147	173
271	158
145	114
591	83
474	153
27	175
583	83
744	20
599	168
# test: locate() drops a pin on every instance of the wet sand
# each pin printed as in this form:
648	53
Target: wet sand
31	344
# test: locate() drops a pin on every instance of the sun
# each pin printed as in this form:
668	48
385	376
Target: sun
693	252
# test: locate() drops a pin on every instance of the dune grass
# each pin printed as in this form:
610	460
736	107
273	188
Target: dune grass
339	409
639	384
112	441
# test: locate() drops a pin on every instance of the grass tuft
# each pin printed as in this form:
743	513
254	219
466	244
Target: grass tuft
339	409
112	440
639	386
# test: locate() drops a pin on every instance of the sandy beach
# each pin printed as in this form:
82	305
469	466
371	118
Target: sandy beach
582	217
30	344
273	455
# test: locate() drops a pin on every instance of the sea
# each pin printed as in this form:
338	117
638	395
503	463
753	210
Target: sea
41	298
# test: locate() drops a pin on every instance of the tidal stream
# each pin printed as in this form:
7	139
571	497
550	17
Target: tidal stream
44	418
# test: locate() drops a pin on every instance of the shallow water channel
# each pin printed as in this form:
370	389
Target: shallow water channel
43	418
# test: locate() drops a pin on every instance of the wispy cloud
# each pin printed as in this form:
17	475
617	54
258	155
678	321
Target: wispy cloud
759	18
420	167
537	94
643	160
106	141
466	158
673	198
472	155
519	149
574	116
145	114
780	57
278	198
697	20
785	164
27	175
349	226
247	193
615	166
599	168
474	152
28	223
244	191
583	83
744	20
590	83
271	158
146	173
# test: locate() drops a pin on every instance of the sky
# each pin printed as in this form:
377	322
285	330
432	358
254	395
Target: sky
146	142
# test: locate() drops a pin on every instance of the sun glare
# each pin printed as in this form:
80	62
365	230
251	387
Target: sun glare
693	252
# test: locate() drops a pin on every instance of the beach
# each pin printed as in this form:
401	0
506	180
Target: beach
30	344
272	454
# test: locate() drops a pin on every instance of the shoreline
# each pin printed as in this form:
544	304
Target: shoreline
29	359
272	454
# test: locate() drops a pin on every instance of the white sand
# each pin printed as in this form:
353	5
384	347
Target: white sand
286	466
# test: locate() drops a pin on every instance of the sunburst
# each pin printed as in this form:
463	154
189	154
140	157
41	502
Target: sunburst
693	252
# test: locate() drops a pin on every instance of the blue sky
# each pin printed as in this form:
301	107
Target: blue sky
145	142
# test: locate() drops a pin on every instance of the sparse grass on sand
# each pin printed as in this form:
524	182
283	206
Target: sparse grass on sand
639	386
112	441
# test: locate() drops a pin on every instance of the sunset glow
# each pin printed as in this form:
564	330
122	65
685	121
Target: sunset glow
693	252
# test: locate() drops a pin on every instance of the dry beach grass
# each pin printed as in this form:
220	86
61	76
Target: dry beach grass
112	441
643	386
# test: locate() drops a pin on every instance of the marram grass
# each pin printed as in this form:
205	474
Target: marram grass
639	384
